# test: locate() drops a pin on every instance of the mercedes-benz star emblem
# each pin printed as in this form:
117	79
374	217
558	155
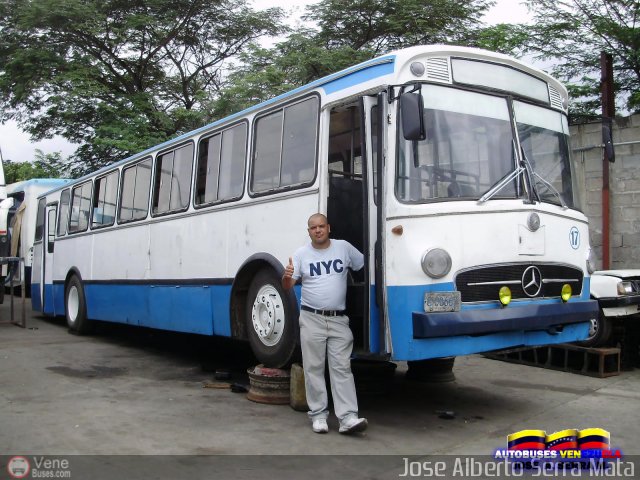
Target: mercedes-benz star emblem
532	281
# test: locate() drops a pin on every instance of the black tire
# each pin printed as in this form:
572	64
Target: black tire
1	290
75	307
272	324
600	332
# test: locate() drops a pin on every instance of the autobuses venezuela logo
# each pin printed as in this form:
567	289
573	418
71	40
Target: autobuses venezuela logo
569	444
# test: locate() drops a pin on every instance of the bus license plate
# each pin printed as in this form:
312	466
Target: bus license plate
442	302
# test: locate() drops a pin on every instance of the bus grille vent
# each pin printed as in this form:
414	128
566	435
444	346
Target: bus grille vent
483	283
556	98
438	69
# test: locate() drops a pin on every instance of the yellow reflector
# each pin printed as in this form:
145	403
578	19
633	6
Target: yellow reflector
505	296
566	292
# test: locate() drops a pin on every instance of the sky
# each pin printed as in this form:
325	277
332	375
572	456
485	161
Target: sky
17	146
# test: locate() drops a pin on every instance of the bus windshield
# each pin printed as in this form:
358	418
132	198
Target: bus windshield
544	137
470	147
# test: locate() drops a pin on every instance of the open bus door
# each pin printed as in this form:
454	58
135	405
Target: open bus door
373	114
354	215
47	253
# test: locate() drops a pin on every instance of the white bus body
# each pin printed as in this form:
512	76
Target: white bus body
475	207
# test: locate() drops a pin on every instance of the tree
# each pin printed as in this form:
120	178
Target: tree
118	76
49	165
572	33
346	32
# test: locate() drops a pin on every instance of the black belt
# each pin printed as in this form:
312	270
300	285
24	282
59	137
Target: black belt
326	313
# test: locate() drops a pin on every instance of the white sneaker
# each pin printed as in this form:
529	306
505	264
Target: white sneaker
320	425
353	425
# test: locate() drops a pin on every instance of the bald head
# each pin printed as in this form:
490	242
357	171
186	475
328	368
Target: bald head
319	230
317	217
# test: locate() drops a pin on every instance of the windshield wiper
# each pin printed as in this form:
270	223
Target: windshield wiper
500	184
544	182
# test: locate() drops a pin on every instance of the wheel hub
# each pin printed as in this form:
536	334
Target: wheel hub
73	304
267	315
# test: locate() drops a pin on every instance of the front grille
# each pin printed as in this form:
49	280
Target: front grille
483	283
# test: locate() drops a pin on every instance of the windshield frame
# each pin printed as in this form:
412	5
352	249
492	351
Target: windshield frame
522	175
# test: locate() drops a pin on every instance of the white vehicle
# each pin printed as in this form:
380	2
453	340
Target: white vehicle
20	215
618	295
447	166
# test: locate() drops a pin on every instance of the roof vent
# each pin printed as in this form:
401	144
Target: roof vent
438	69
556	99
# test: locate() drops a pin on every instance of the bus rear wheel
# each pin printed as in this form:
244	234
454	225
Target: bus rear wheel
75	307
271	327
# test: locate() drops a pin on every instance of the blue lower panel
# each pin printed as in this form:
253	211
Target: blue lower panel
202	309
418	336
48	307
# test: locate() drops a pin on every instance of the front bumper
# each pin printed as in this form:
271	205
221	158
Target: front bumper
530	317
620	306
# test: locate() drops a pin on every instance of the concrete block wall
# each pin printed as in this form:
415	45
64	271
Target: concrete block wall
624	188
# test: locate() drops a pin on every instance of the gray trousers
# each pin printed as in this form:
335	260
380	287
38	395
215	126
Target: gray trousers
328	338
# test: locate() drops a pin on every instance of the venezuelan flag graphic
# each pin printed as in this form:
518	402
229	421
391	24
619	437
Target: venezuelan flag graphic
527	440
593	439
563	440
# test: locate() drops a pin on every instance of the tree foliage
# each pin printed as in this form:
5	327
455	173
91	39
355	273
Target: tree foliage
572	33
338	34
50	165
118	76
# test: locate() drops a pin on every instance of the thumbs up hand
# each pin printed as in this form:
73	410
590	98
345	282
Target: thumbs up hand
288	270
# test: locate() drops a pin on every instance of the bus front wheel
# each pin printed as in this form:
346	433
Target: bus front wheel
272	329
76	307
600	332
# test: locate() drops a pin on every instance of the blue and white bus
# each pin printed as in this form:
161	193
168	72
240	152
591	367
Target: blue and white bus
448	167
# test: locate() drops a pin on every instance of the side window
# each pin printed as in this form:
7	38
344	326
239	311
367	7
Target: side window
134	199
104	200
172	181
220	170
285	148
63	219
80	208
40	220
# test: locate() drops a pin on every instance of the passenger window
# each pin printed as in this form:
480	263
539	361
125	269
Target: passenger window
64	213
285	148
104	200
136	184
80	208
221	161
173	180
40	220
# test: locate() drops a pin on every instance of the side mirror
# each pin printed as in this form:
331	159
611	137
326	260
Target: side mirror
412	116
607	140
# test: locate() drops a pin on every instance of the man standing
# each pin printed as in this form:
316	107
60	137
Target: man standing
324	327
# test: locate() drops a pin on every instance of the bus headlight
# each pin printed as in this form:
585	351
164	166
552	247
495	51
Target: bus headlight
436	262
566	292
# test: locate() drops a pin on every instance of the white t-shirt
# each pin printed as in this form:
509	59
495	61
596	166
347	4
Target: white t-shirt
324	273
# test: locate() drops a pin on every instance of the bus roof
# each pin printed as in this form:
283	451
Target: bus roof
379	66
43	184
